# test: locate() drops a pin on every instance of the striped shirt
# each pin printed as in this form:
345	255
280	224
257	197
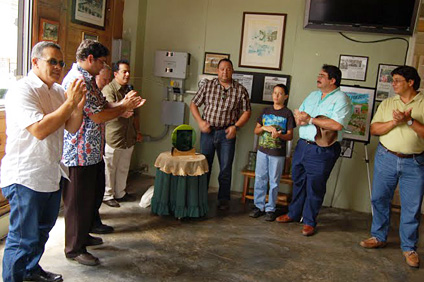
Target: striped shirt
223	107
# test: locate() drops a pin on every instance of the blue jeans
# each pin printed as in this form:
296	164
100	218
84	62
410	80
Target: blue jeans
225	148
268	168
311	168
32	216
389	170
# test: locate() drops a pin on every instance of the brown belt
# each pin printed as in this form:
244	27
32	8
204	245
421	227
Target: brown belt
400	155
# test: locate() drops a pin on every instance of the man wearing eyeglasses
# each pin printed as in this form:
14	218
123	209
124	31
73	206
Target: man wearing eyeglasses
227	109
83	154
37	111
121	135
399	121
327	109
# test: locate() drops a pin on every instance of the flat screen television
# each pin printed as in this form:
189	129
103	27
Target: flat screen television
380	16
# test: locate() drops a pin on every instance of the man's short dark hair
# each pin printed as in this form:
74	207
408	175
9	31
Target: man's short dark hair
225	60
115	66
333	72
91	47
409	73
286	90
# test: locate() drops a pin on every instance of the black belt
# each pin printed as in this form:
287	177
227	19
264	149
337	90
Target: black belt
309	142
400	155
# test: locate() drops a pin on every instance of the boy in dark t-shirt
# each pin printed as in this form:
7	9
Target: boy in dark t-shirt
274	126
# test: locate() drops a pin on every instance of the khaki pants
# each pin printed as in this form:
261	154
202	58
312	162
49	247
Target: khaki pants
117	166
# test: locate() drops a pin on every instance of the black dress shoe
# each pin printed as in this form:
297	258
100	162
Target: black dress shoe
224	205
102	229
112	203
127	198
44	276
94	241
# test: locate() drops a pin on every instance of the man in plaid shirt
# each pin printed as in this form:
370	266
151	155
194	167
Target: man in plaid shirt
227	109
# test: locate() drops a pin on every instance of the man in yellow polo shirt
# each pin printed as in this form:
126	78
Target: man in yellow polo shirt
399	122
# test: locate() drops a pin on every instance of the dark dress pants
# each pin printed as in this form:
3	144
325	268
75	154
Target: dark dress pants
79	197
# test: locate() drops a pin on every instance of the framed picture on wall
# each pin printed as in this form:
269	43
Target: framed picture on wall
48	31
262	40
269	83
362	98
383	86
89	13
210	65
89	36
353	67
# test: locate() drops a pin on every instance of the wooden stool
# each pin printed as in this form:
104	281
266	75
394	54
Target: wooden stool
282	199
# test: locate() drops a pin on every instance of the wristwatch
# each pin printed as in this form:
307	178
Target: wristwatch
310	120
410	122
237	128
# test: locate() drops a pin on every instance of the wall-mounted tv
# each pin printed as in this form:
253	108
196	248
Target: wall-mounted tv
380	16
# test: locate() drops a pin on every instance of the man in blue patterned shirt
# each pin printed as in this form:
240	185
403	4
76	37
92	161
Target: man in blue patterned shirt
83	153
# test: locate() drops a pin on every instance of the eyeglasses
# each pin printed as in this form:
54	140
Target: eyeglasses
102	61
396	81
54	62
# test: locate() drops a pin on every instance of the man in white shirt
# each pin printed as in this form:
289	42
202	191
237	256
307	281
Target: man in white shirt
37	111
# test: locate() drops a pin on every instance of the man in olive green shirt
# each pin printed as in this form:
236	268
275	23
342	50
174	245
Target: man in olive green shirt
121	135
399	121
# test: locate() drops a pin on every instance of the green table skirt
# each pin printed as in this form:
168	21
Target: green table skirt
182	196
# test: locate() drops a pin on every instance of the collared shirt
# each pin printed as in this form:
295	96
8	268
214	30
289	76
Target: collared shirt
120	132
29	161
223	107
402	139
86	146
336	105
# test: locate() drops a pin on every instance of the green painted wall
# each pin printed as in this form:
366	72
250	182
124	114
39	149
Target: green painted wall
196	26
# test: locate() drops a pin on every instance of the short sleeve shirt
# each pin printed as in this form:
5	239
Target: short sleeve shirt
223	107
402	139
336	105
282	120
29	161
86	146
120	132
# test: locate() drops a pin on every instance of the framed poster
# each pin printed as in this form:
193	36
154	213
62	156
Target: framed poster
347	148
48	31
89	36
269	83
362	98
383	86
210	65
89	13
262	40
353	67
245	79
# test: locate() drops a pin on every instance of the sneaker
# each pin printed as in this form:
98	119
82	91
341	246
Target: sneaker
372	243
412	258
270	216
255	213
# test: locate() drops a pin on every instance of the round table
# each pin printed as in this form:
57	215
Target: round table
181	185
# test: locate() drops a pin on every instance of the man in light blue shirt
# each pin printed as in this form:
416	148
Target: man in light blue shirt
312	163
